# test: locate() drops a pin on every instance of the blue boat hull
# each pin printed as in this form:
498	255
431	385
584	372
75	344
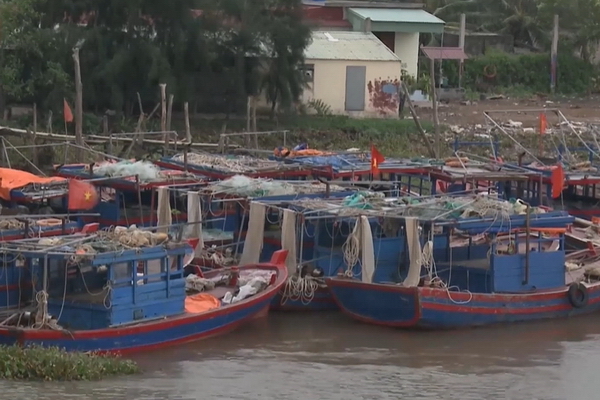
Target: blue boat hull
153	334
322	301
436	308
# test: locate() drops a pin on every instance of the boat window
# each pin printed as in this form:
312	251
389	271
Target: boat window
122	271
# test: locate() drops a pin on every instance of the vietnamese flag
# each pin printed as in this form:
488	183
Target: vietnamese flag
67	111
557	180
543	123
376	159
82	196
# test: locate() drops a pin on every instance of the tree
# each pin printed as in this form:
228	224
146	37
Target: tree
578	22
518	18
204	50
28	70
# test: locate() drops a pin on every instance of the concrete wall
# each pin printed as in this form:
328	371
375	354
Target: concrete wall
407	48
329	86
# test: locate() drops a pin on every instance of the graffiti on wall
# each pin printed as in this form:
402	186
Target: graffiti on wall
383	95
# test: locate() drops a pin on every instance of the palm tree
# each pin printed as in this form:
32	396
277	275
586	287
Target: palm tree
518	18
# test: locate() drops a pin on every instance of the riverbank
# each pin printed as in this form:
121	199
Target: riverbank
54	364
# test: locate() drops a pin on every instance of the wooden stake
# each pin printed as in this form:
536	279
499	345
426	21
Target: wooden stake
49	125
163	115
78	105
34	155
461	44
188	131
248	119
554	56
254	128
413	112
436	121
169	111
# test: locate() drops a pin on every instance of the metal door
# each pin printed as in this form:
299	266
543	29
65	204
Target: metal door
356	82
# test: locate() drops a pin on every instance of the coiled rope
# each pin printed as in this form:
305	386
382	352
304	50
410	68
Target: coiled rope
301	289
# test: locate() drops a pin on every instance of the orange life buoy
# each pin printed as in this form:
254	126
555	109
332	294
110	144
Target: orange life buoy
49	222
490	71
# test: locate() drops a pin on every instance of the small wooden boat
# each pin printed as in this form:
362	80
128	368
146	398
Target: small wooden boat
100	301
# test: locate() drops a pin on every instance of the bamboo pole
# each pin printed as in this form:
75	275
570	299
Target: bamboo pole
436	121
188	131
554	55
413	112
169	111
34	150
163	115
461	44
78	103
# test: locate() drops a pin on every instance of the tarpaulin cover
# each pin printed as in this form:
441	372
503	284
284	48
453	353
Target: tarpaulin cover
11	179
201	302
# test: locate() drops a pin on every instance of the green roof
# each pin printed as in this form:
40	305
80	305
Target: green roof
395	20
397	15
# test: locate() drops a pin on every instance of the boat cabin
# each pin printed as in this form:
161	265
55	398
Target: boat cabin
472	243
93	282
461	175
239	205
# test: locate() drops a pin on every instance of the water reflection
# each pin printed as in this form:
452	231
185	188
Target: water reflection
332	357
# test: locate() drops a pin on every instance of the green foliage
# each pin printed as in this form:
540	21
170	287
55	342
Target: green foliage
579	18
216	58
319	107
524	73
530	22
54	364
518	18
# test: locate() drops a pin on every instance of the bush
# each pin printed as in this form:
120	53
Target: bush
530	71
54	364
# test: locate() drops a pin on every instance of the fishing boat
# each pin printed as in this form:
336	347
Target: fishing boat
568	172
128	190
353	165
335	244
27	202
128	290
227	213
517	273
216	166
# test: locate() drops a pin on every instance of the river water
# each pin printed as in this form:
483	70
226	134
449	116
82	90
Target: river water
328	356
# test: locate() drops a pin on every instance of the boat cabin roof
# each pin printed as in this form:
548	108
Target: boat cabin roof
471	213
103	247
481	171
126	175
240	186
226	164
361	162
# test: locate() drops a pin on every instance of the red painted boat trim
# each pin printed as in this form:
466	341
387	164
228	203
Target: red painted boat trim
16	286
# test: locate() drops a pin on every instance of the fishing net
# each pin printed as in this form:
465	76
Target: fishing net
132	237
244	186
235	164
364	203
145	170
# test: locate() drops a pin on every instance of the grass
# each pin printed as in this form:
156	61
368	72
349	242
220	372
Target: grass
54	364
391	136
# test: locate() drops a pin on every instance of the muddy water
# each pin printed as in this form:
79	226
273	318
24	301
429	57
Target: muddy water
327	356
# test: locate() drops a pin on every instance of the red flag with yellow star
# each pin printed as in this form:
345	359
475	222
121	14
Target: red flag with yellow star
82	196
